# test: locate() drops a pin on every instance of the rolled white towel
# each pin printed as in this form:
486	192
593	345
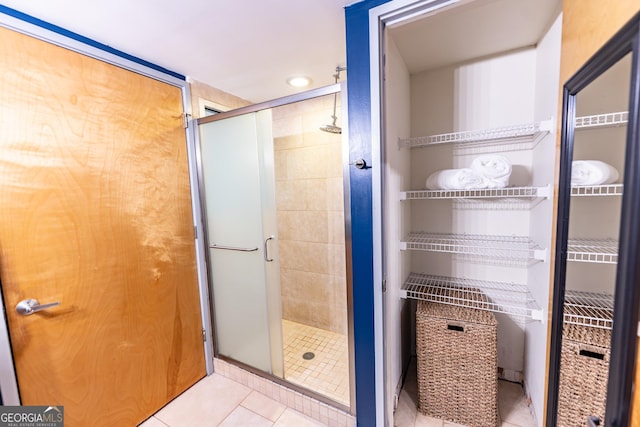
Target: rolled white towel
456	179
592	172
495	168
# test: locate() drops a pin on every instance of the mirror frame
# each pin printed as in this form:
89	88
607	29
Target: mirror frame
624	334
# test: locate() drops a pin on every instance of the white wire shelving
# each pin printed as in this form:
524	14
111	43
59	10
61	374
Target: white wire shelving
600	251
524	136
501	297
528	193
588	309
511	249
597	190
602	120
509	198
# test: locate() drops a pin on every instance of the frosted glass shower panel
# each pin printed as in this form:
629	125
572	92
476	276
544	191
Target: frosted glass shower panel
233	169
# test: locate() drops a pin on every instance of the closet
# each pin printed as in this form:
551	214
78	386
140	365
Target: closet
488	96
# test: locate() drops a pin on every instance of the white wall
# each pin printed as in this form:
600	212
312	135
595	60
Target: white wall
546	106
395	220
491	92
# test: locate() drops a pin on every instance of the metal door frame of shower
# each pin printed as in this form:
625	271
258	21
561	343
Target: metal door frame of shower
26	24
340	88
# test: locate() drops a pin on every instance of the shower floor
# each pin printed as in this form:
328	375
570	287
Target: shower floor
327	372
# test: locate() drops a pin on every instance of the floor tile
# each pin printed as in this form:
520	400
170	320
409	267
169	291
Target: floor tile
291	418
264	406
205	404
153	422
512	405
406	412
327	372
426	421
242	417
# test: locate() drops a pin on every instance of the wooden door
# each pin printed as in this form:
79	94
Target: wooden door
95	212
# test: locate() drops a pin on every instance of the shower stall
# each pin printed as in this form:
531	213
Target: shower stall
274	190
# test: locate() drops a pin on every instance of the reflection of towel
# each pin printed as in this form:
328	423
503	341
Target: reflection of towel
456	179
592	172
495	168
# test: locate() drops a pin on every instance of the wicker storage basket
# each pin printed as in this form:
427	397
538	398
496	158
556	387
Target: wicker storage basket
457	364
584	371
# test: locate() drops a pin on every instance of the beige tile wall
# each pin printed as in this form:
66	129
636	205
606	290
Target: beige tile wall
309	190
200	90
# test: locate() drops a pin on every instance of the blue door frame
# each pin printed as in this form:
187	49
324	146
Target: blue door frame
359	108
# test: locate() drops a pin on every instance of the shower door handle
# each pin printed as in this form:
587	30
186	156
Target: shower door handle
266	248
233	248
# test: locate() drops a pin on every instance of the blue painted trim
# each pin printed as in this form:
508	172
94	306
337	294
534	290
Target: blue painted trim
70	34
359	105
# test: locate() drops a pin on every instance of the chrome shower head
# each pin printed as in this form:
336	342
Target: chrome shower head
333	128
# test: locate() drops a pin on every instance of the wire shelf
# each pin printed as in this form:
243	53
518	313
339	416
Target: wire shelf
530	132
602	120
501	297
528	193
602	251
588	309
517	249
597	190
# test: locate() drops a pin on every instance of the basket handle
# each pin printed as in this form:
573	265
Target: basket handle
457	328
591	353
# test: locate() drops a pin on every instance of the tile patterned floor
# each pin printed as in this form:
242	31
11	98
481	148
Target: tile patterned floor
328	372
220	401
513	409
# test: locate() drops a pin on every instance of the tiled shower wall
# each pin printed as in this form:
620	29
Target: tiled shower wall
310	208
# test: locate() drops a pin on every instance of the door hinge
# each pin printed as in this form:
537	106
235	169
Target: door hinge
195	232
384	285
204	335
185	120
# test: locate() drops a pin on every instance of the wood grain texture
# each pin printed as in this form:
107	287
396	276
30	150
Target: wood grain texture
586	26
96	214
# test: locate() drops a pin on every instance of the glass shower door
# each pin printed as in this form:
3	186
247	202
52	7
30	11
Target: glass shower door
237	171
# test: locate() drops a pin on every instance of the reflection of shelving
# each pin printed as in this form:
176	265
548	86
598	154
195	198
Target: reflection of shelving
528	193
500	297
588	309
517	249
602	120
528	134
597	190
603	251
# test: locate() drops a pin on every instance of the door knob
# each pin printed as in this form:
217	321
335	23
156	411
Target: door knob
30	306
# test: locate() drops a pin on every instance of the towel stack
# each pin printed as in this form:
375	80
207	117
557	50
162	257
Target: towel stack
488	171
592	172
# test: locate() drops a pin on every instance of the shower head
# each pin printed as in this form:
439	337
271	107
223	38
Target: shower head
333	128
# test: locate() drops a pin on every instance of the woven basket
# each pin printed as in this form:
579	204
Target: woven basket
584	372
457	364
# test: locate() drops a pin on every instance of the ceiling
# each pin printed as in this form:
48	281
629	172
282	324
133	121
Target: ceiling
473	30
244	47
250	47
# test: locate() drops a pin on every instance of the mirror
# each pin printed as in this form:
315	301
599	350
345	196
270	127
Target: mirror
595	318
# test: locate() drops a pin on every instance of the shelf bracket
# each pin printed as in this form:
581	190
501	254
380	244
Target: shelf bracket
537	315
540	254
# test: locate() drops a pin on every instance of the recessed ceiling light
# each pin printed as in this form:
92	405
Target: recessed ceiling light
299	81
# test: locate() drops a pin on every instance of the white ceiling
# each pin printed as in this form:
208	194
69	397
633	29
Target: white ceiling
473	30
250	47
245	47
